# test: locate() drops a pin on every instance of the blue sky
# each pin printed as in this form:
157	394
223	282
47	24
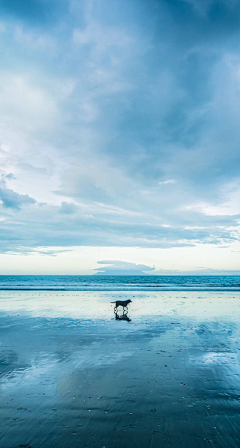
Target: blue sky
119	134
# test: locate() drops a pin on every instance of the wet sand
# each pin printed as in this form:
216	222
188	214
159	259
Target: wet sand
73	376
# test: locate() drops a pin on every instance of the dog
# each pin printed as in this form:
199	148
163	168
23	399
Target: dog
123	303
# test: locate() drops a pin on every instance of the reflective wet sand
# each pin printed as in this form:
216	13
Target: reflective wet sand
74	376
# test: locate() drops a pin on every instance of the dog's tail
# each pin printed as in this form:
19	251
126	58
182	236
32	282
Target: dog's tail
113	302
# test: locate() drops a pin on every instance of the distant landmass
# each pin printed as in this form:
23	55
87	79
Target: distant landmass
170	273
120	272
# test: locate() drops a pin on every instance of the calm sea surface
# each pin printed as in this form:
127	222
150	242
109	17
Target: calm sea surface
119	283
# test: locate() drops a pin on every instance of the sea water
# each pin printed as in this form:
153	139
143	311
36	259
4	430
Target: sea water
120	282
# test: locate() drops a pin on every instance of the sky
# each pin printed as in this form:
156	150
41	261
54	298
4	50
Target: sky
119	136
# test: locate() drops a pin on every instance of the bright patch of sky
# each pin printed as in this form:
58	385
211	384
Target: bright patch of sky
119	135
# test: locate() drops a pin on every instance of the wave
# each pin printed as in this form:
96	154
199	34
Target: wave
119	283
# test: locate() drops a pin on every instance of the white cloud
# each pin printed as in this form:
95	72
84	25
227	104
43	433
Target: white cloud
108	266
166	182
25	104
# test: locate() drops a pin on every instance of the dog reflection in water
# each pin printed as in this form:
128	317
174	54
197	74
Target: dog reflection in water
123	316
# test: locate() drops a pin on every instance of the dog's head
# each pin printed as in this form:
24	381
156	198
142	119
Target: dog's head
129	301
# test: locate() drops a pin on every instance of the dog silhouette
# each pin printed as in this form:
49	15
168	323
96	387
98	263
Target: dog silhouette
123	303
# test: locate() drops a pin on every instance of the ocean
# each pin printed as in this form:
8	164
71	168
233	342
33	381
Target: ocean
120	283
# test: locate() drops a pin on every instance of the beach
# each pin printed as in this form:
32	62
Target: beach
74	376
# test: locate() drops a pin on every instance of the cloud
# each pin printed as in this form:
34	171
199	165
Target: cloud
120	124
67	208
33	12
100	226
166	182
29	105
11	199
122	267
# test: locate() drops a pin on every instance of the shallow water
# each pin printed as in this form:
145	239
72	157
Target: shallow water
73	376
